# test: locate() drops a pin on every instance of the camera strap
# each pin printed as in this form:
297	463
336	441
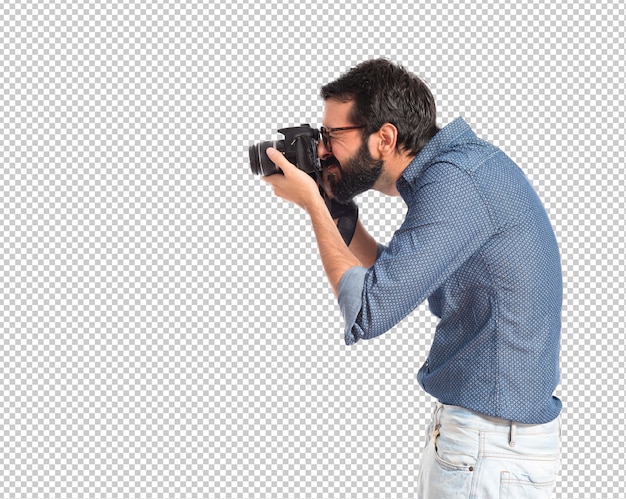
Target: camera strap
346	214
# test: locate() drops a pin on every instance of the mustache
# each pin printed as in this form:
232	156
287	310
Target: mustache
327	163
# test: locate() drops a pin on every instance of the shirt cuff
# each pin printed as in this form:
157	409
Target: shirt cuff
349	294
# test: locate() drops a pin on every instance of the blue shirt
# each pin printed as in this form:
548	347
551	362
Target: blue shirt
478	244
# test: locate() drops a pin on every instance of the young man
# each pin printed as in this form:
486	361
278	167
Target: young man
477	243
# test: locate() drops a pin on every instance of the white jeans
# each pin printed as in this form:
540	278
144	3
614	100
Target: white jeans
469	455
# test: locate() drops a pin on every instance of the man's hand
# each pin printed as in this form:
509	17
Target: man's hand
294	185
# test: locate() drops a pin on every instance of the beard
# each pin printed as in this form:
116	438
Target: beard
355	176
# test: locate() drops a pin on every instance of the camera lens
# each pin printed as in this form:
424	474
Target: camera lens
260	163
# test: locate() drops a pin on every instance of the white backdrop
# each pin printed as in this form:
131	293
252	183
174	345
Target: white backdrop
166	327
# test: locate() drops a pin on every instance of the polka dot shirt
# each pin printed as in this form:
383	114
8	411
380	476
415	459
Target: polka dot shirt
477	243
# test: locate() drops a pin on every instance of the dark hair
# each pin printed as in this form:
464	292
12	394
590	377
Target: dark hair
385	92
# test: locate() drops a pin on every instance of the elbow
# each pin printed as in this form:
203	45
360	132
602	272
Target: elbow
364	330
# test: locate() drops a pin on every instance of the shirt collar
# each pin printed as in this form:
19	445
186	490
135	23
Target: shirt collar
442	141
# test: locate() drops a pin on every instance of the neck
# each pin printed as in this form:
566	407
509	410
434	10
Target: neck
392	170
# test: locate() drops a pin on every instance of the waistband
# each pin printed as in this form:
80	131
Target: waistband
453	415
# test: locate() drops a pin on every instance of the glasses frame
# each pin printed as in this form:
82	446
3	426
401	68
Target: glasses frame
325	133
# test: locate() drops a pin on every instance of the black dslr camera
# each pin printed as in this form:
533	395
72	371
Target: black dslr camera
299	147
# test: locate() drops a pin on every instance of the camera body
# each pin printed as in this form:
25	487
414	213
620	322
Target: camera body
299	147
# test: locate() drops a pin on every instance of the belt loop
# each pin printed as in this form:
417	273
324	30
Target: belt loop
512	434
436	425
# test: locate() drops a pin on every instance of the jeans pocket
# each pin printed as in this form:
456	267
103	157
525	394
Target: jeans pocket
456	449
525	486
447	476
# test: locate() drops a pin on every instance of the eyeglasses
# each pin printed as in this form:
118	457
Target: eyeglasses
327	131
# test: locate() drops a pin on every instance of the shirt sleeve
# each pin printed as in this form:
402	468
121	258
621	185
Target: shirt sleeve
349	298
447	222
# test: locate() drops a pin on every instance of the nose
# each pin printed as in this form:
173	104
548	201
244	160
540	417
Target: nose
322	152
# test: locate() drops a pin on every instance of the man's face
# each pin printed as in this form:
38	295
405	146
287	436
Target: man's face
350	168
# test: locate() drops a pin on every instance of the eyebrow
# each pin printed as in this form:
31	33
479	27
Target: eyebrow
337	127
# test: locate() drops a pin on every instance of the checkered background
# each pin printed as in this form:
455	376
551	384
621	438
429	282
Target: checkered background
166	326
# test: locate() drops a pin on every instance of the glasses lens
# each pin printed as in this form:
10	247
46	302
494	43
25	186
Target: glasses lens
325	138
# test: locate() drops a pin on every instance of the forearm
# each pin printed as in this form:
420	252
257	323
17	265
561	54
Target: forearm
335	255
364	246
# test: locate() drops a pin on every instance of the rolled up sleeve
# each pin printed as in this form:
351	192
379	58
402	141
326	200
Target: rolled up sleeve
349	295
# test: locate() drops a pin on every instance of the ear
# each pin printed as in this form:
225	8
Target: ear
386	139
